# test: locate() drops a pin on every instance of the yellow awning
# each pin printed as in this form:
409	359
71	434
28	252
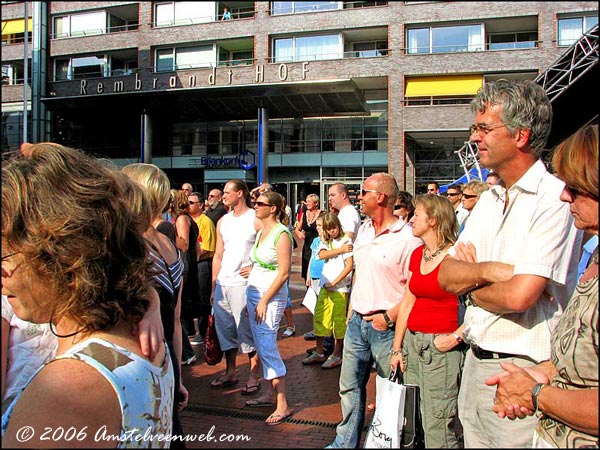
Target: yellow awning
443	86
16	26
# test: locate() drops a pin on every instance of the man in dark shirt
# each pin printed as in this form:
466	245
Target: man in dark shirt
216	209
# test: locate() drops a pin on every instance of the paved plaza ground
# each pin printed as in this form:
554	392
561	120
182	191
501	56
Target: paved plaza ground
312	392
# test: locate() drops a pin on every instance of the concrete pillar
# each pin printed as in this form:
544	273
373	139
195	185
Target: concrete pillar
39	59
146	139
262	172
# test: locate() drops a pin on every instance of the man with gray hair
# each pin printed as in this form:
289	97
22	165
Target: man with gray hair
187	188
515	260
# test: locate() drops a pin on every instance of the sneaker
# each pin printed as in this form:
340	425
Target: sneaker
310	336
192	359
314	358
288	332
326	350
332	362
197	340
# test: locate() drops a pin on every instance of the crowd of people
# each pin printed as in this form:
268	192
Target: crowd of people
474	295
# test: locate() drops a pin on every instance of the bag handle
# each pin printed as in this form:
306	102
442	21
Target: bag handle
396	376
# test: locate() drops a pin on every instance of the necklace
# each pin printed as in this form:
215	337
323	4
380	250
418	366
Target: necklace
430	257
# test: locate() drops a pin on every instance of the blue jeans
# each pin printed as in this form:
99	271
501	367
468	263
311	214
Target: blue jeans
362	345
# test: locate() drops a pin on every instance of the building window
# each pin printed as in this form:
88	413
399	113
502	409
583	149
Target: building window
308	48
507	41
14	73
79	68
465	38
80	24
169	59
297	7
570	29
183	13
369	49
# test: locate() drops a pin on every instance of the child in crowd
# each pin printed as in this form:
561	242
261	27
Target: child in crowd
332	303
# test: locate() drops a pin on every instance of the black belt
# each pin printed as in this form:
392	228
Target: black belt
480	353
372	313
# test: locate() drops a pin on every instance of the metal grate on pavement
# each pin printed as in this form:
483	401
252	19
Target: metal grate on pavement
250	415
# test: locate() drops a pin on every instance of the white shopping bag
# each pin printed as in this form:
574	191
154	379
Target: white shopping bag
310	300
385	430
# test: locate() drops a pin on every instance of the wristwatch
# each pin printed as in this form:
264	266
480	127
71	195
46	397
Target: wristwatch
389	322
535	392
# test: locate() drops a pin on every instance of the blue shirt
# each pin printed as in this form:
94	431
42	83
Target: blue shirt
586	253
315	265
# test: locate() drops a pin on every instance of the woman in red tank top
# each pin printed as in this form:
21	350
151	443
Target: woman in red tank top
426	344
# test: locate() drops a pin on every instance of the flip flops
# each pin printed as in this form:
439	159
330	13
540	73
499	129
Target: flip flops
220	383
259	403
279	418
250	390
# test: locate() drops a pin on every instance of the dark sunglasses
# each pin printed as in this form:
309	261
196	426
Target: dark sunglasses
364	191
450	194
262	204
573	192
191	202
470	196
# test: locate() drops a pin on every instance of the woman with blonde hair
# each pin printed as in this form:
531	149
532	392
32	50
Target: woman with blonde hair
267	296
167	264
426	343
306	229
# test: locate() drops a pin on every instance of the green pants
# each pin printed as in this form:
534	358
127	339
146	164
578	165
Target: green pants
438	376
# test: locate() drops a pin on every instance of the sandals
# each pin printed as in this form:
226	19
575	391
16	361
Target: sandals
250	390
288	332
220	383
279	418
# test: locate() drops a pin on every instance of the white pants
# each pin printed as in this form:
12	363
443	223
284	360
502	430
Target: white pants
233	327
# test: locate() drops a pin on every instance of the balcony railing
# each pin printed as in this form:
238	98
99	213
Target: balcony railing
208	65
204	19
97	31
352	54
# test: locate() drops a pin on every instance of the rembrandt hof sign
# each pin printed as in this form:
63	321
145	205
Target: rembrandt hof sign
214	78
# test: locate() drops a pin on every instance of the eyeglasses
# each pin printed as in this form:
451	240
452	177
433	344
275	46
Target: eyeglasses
191	202
482	129
467	196
262	204
452	194
5	257
363	192
211	196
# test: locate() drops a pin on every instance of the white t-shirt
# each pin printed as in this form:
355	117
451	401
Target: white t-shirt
350	219
238	234
334	266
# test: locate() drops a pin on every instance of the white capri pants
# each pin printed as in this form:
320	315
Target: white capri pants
265	332
233	327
